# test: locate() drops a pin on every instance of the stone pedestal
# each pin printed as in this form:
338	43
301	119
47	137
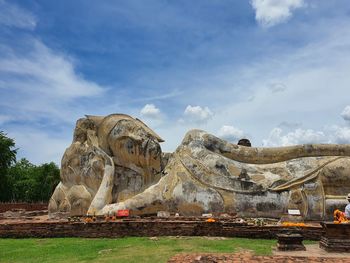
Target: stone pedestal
290	242
335	237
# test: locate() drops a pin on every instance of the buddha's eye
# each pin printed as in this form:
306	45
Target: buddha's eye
130	146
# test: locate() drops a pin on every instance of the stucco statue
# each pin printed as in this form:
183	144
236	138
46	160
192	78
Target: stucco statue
115	162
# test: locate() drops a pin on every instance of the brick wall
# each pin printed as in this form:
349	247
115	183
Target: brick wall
146	228
27	206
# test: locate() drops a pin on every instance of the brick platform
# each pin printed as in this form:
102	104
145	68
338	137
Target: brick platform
336	237
290	242
26	206
246	257
147	227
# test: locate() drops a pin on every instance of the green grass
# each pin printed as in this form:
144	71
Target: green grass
131	249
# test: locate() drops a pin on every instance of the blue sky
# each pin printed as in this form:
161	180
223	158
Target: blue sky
276	72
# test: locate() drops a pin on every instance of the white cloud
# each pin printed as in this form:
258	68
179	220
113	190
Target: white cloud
150	111
346	113
13	16
230	133
340	134
271	12
299	136
42	88
46	72
42	83
197	114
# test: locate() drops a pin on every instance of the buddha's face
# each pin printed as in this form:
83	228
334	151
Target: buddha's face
133	147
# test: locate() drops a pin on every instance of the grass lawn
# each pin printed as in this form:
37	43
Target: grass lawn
131	249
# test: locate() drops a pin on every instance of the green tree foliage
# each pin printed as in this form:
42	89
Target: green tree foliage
31	183
7	158
23	181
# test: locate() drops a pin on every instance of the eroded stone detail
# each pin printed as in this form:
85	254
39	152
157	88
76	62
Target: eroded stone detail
115	162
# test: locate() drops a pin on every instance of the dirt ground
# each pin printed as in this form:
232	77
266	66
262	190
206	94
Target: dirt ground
312	255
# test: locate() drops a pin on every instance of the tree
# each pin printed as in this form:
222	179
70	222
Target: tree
31	183
7	158
7	152
50	176
23	181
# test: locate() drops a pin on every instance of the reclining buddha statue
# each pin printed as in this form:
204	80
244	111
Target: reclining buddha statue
115	162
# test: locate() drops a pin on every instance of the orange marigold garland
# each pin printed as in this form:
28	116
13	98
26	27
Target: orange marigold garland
293	224
339	217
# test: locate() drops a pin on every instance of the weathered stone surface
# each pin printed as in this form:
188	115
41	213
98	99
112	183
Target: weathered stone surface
110	160
115	162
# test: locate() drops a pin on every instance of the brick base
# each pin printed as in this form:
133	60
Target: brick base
336	237
25	206
147	227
